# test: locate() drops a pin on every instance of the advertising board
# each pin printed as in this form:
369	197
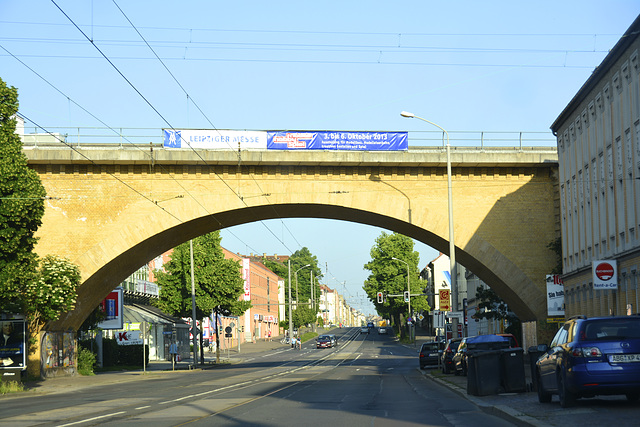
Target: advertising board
605	274
337	140
12	342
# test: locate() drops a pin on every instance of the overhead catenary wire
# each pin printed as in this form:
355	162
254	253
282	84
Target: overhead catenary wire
212	125
155	109
146	153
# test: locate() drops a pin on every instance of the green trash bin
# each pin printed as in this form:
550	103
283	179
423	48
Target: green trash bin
512	369
11	375
483	375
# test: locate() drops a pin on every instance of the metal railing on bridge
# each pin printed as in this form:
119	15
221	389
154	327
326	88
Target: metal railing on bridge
102	137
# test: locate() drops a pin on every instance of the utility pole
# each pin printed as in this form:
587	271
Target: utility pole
290	318
193	308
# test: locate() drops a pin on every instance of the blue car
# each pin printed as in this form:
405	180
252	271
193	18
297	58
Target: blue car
589	357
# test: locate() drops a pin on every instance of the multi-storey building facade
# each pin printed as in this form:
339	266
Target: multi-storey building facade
261	288
599	178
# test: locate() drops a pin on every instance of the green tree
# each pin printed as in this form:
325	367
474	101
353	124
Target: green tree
52	293
298	259
491	306
390	276
302	316
218	281
21	208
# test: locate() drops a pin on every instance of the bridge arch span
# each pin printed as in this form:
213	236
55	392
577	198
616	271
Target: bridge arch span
488	263
112	215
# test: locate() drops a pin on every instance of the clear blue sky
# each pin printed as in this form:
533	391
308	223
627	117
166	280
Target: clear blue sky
471	67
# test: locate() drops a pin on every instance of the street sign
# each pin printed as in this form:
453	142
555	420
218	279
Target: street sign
455	315
438	319
445	300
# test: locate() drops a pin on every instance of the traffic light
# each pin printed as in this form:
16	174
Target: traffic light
380	298
406	296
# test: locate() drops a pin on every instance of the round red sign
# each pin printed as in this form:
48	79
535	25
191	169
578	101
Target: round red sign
604	271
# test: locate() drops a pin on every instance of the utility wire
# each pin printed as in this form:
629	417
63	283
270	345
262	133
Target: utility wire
146	153
109	173
213	126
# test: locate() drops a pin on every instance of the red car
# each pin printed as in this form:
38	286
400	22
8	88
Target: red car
323	341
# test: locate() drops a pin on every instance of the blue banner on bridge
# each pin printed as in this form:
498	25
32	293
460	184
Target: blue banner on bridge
350	141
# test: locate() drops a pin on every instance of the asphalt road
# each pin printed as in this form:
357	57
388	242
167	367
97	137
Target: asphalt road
368	380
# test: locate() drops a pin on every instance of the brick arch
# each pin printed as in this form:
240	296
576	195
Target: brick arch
112	217
479	256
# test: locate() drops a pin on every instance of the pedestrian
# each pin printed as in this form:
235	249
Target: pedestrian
269	335
293	343
173	352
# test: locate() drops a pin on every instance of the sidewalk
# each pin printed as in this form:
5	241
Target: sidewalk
510	406
152	370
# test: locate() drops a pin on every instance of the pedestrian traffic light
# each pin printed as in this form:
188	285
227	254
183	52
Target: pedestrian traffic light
406	296
380	298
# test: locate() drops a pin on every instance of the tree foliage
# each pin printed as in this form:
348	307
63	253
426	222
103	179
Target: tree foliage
52	293
218	281
21	208
556	247
390	276
491	306
302	315
300	258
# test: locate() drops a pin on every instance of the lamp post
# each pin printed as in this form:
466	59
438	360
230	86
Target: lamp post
296	274
452	248
408	291
290	318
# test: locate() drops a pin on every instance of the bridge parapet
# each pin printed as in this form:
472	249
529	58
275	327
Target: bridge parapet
414	157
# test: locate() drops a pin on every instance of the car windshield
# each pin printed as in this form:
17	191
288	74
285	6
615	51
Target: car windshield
610	329
324	337
430	346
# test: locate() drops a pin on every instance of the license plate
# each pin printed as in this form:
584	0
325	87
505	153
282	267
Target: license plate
433	354
624	358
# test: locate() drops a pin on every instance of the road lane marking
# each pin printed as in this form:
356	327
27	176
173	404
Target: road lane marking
92	419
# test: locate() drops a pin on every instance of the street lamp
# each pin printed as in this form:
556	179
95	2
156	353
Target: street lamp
296	274
452	248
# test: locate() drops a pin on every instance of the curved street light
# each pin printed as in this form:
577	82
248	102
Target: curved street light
452	248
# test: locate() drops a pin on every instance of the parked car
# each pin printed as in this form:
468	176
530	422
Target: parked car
323	341
513	341
447	355
364	330
589	357
459	359
429	353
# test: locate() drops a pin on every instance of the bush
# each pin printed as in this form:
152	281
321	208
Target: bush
10	387
86	361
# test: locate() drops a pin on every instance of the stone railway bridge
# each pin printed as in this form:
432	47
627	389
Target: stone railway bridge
112	209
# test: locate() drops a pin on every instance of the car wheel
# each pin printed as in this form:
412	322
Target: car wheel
567	398
445	369
633	397
543	396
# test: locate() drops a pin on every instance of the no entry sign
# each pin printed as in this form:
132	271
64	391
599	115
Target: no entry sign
605	274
